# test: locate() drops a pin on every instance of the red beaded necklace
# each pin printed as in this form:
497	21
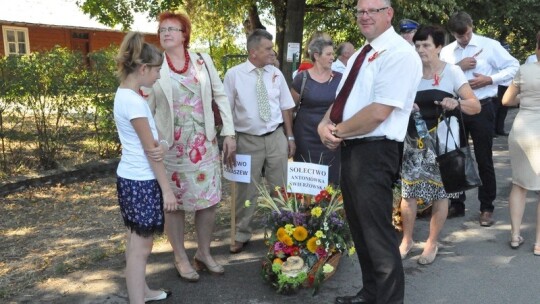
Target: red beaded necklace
186	63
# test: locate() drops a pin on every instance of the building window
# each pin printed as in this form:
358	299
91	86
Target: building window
16	40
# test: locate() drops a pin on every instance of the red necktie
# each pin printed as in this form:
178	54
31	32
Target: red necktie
336	115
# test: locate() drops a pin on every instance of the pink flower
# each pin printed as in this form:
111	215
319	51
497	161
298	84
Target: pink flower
179	150
198	140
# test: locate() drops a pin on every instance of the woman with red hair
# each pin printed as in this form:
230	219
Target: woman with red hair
181	102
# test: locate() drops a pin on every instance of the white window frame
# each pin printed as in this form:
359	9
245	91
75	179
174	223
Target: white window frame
16	29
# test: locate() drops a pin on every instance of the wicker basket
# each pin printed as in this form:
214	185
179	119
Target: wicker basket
332	260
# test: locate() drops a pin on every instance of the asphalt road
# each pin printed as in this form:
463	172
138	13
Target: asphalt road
474	265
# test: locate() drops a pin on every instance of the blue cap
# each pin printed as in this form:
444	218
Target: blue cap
407	25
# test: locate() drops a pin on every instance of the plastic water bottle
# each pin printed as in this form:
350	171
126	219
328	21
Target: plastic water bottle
420	125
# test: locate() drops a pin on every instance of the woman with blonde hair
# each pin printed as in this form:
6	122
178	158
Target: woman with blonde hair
143	190
181	102
524	146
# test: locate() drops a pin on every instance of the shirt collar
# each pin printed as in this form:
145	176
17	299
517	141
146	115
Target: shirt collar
474	42
380	43
251	67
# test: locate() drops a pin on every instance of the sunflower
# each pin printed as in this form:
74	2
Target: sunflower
281	233
287	240
300	233
312	244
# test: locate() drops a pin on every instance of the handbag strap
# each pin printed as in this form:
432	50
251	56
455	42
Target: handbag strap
449	131
302	87
208	72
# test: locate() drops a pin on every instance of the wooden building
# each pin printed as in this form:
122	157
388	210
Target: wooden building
38	25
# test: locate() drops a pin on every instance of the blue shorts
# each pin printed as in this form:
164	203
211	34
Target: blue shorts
141	205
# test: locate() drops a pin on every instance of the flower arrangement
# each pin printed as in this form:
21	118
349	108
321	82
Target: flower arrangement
306	236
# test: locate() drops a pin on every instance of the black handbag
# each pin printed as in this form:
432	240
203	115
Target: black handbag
457	167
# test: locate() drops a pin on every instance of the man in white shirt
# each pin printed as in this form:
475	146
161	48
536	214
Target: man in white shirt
263	125
486	64
531	59
344	52
368	119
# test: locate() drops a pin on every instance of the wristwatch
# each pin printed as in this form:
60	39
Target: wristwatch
290	138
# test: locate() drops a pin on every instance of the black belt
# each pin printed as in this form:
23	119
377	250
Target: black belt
486	100
267	133
356	141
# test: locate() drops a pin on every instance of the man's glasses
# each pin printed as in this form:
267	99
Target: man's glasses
370	12
170	29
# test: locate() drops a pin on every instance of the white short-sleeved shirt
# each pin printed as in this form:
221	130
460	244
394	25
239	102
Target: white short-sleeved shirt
133	164
391	78
531	58
491	60
338	66
240	82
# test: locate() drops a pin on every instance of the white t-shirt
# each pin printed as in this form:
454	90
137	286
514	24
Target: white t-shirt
133	164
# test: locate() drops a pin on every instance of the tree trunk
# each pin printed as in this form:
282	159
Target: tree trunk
292	19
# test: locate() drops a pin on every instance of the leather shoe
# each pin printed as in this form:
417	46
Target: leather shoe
455	211
237	247
486	219
356	299
502	133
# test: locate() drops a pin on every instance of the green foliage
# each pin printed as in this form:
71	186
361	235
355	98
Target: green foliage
100	86
45	84
57	92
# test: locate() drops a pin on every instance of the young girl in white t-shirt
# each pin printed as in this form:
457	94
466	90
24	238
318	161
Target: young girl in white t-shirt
143	190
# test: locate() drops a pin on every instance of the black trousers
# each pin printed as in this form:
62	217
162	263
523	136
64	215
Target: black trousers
500	111
480	128
368	170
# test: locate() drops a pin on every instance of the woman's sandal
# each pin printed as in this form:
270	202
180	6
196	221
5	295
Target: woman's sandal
404	254
191	276
199	265
516	241
426	260
536	249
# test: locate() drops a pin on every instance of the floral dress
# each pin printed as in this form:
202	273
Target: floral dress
420	175
193	162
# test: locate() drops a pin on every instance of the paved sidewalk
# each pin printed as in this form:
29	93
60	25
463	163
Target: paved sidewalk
474	265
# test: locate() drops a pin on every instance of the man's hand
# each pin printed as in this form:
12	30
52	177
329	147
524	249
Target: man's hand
229	152
326	130
467	63
292	147
480	81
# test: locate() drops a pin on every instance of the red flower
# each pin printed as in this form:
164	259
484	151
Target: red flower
201	177
374	56
176	179
318	198
177	133
195	156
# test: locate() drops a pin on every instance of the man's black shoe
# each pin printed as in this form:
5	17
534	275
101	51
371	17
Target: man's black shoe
356	299
503	133
455	211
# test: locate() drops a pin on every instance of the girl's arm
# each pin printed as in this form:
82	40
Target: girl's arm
142	128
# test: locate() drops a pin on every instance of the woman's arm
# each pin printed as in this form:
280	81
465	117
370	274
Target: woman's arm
144	133
510	97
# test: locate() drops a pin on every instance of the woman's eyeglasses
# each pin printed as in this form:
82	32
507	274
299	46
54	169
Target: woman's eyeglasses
170	29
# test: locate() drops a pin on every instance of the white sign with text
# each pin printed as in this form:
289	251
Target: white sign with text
293	48
307	178
241	172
